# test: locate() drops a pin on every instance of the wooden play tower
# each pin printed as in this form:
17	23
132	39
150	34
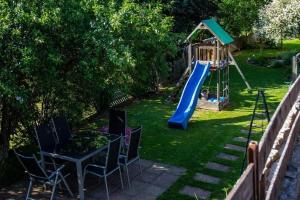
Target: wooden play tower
216	51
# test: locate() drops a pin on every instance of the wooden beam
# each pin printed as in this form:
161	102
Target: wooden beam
239	70
190	58
218	70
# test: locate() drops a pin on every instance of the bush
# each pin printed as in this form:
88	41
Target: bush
287	56
62	57
10	168
258	60
284	59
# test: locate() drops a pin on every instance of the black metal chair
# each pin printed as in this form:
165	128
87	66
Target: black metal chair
37	173
132	153
62	130
117	122
45	138
109	167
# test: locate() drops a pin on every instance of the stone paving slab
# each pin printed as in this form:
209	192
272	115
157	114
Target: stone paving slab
165	180
155	179
257	125
244	131
196	193
147	177
235	147
226	156
206	178
217	166
240	139
146	163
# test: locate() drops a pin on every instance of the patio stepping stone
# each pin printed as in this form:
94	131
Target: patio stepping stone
217	166
195	192
240	139
244	131
256	125
226	156
234	147
206	178
165	180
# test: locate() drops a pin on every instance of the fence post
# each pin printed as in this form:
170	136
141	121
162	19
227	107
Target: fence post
294	69
253	158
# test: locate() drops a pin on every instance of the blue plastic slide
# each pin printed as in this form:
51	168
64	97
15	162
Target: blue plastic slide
189	96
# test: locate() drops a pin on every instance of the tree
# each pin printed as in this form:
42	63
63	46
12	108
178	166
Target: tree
239	16
279	19
189	13
64	57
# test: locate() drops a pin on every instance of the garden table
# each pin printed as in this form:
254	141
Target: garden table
80	149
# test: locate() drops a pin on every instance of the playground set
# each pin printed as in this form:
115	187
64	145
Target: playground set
206	57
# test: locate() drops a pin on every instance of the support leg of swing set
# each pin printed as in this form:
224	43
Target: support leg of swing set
239	70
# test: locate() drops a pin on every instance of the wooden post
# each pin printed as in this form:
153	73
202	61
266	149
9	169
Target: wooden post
227	68
218	70
253	158
190	58
294	69
214	55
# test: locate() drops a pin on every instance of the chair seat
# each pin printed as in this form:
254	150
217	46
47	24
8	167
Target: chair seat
96	170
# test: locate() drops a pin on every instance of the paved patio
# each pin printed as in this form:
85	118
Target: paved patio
155	179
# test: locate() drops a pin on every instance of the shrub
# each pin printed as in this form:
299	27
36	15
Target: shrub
62	57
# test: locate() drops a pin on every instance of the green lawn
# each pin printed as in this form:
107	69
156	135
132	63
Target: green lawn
208	131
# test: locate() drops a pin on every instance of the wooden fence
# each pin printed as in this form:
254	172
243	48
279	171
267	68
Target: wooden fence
252	183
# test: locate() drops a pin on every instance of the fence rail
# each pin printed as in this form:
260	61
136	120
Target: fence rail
253	179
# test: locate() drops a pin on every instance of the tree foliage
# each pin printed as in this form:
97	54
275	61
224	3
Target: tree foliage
239	16
65	56
189	13
279	19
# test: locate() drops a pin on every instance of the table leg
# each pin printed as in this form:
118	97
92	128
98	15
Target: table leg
80	181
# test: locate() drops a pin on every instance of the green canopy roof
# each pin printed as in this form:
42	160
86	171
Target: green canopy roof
216	30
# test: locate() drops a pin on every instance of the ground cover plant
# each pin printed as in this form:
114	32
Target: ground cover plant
208	131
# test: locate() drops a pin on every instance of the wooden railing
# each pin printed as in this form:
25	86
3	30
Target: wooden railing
207	53
252	183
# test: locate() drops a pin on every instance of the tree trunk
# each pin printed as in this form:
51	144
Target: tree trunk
4	139
8	117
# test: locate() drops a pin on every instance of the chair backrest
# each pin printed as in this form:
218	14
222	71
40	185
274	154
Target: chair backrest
31	165
134	143
45	137
61	129
112	160
117	122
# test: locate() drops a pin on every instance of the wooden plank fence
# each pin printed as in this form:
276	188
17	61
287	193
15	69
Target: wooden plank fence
253	179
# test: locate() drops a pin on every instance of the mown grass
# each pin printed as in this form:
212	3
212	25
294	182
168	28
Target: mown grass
208	131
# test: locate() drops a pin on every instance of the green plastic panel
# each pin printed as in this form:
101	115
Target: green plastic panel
218	31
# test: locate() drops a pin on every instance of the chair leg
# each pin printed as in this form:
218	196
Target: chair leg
106	186
83	179
29	189
121	179
66	184
141	171
54	187
127	172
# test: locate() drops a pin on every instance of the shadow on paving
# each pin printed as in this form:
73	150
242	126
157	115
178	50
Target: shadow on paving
155	179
